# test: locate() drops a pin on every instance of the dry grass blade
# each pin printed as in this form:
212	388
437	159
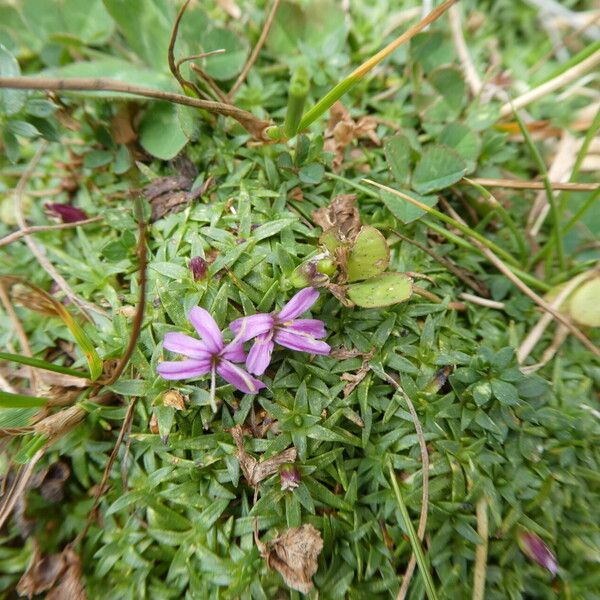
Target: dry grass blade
505	270
471	76
17	235
535	185
248	121
255	52
537	331
481	551
9	499
548	87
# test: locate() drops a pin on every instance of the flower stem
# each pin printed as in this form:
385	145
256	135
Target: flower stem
213	385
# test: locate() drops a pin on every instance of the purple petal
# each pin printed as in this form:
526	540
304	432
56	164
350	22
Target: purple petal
298	304
301	342
186	345
234	351
248	327
183	369
312	327
207	328
239	378
259	356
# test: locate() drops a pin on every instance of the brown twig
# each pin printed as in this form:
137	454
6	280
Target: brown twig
136	327
17	235
523	287
535	185
35	250
425	493
106	474
173	66
247	120
255	52
209	81
475	285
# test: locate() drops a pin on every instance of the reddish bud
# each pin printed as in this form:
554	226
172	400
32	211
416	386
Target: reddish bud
66	212
534	548
198	267
289	477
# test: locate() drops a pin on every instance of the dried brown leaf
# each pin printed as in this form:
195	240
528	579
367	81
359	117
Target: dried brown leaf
173	193
175	399
253	470
342	130
342	214
42	573
354	379
70	586
294	554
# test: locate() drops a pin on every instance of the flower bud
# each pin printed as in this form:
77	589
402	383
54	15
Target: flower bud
534	548
66	212
198	267
289	477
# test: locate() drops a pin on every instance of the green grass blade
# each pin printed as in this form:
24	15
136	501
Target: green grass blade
8	400
41	364
450	221
412	535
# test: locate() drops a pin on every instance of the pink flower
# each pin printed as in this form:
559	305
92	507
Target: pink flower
209	355
282	328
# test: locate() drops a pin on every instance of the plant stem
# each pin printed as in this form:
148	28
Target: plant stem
549	192
412	535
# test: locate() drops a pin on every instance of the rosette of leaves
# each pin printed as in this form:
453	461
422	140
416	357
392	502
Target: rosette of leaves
353	261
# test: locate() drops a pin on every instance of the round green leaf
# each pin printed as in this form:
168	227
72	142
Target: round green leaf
384	290
311	173
160	131
11	101
584	304
369	255
438	168
403	210
230	63
397	153
462	139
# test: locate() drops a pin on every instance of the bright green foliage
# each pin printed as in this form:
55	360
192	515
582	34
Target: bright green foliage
177	518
